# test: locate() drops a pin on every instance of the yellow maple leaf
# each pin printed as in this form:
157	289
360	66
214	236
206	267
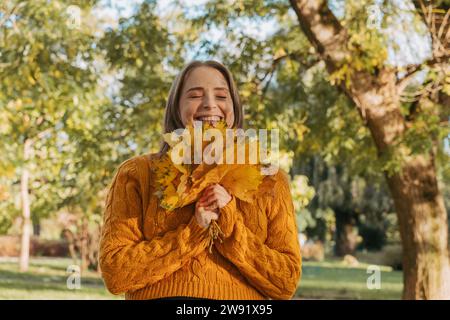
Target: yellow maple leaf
170	198
243	181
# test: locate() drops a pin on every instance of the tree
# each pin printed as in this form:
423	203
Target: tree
143	56
47	84
376	93
58	80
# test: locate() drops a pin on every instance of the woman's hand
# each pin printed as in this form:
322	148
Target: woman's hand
214	197
205	216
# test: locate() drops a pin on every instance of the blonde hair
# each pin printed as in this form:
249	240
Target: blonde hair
172	118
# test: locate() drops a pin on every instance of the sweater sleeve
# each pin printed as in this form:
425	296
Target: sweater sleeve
272	266
127	260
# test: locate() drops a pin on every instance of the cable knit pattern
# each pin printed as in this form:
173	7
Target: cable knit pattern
147	252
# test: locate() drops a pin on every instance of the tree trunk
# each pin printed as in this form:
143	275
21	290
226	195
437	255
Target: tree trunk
84	244
346	237
94	239
36	226
26	223
70	238
418	202
423	229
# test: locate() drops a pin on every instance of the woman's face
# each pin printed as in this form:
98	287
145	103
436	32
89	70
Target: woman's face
206	97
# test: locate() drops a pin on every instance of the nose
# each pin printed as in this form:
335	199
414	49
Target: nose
209	102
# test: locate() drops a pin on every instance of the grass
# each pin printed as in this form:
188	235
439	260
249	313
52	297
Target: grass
47	278
332	279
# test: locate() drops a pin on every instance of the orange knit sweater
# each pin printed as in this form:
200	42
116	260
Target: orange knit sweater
146	252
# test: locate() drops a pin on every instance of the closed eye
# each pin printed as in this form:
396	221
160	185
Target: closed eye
218	97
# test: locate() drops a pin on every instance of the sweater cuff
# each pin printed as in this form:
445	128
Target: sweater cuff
197	232
227	217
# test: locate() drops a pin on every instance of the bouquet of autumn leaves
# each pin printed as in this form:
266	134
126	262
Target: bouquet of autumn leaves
179	183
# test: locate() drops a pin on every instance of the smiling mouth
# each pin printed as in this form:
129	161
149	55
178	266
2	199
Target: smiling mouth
210	119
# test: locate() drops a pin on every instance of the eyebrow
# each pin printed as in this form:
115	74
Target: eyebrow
201	88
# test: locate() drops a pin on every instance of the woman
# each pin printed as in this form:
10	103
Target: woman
149	253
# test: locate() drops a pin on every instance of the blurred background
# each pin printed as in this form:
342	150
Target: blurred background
359	90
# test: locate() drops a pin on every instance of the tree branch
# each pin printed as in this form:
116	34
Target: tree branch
374	94
430	17
329	38
8	15
294	56
323	30
405	80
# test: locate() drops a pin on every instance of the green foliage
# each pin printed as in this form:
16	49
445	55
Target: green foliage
302	194
50	97
366	45
143	55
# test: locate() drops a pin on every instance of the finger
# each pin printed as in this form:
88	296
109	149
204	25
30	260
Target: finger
221	194
214	187
211	215
207	197
209	188
212	207
205	204
218	192
204	197
208	202
208	192
219	188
